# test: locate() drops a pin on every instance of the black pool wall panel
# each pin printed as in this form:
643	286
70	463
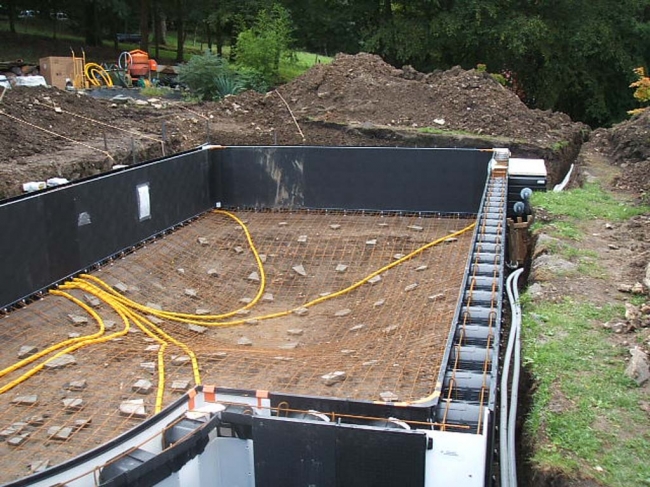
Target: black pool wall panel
352	178
49	236
336	455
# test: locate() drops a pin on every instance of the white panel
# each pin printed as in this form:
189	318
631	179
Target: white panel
526	167
144	204
457	459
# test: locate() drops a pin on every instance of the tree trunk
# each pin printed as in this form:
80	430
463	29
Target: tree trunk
156	27
12	16
144	24
93	31
208	33
180	32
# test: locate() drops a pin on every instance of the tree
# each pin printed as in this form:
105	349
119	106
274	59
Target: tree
262	46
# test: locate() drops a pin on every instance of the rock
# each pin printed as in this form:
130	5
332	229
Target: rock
27	350
347	351
262	258
436	297
202	311
267	298
637	288
133	408
382	224
421	268
203	241
335	226
300	270
78	320
341	268
121	287
613	246
180	385
609	226
213	272
282	358
372	241
357	327
415	228
289	346
334	377
638	368
295	331
243	312
197	329
77	385
535	291
73	404
282	224
451	240
92	300
155	306
411	287
74	335
632	314
545	243
398	256
381	302
388	396
374	280
64	360
180	270
154	319
238	249
342	312
244	342
152	348
390	329
192	293
253	277
624	288
301	311
252	322
370	363
302	239
109	324
551	264
142	386
646	279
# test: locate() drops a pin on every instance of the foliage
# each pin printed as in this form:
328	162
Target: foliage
206	76
252	79
642	88
263	45
227	84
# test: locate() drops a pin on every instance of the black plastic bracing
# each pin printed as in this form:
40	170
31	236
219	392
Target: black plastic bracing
470	373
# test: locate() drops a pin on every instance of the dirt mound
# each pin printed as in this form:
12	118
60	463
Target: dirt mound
629	147
27	110
363	88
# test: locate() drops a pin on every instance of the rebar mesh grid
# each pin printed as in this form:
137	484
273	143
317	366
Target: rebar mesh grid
387	337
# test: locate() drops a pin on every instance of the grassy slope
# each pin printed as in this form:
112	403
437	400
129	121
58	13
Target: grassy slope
585	418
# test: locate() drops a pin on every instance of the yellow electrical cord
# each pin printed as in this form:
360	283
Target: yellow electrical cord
126	309
94	72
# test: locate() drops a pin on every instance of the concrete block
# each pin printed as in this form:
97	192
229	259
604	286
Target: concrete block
78	320
59	433
244	342
213	272
411	287
301	311
73	404
142	386
335	226
398	256
300	270
149	366
180	385
39	465
370	363
342	312
389	396
82	423
181	360
64	360
341	268
26	351
238	249
421	268
245	300
202	311
77	385
415	228
155	306
121	287
92	300
357	328
215	356
18	439
347	351
302	239
390	329
295	332
372	241
253	277
379	303
204	242
134	408
198	329
267	298
374	280
289	346
334	377
192	293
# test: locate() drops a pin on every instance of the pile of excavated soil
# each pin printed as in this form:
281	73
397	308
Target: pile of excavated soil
363	88
629	147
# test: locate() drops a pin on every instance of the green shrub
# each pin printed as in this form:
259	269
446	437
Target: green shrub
252	79
205	74
262	46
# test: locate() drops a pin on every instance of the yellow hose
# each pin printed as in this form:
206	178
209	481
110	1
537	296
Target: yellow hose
94	72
